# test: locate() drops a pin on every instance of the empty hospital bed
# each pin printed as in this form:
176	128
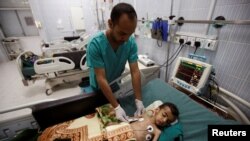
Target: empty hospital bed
64	67
67	44
194	117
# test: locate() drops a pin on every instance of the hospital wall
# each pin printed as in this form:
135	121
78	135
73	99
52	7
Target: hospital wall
56	19
51	15
231	60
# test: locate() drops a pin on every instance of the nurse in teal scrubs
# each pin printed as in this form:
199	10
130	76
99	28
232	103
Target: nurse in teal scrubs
108	52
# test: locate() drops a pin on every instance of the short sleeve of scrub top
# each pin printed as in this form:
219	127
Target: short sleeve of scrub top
133	52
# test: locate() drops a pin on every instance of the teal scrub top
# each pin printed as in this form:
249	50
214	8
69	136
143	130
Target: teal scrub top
171	133
100	54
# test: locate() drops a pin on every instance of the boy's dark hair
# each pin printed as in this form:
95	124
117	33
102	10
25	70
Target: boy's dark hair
122	8
172	107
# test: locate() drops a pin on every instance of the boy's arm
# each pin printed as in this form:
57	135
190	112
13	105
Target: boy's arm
157	133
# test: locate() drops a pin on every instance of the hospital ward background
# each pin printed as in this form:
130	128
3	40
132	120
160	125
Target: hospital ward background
194	53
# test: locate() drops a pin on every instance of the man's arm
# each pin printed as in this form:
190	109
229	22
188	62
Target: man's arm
106	90
136	79
104	86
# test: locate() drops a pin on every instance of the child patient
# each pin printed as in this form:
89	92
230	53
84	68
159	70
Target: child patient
147	127
103	125
157	116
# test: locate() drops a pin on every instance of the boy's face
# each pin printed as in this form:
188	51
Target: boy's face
163	116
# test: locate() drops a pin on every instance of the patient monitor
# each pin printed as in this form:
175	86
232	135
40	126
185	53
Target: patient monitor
190	74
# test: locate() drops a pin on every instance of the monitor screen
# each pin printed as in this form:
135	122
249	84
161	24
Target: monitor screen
190	72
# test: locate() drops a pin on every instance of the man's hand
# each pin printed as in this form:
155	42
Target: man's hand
140	108
120	114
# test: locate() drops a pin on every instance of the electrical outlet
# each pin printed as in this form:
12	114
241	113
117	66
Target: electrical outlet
176	39
196	35
202	42
192	40
184	38
211	44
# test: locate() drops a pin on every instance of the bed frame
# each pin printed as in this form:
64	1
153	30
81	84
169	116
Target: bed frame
54	112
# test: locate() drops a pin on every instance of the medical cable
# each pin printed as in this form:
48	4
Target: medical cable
177	51
175	55
163	65
215	83
181	41
197	45
182	45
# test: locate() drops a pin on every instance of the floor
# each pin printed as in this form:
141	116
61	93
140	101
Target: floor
14	94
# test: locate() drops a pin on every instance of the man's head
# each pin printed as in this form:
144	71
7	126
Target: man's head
122	23
166	114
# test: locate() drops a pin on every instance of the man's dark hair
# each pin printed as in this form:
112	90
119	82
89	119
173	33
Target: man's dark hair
122	8
172	107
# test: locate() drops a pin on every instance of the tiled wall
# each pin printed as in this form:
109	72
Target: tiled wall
49	12
234	48
232	58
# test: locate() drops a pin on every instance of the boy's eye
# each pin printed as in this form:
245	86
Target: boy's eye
164	114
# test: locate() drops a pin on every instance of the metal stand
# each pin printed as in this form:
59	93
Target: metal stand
12	47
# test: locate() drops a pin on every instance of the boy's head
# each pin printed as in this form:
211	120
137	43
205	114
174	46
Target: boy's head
165	114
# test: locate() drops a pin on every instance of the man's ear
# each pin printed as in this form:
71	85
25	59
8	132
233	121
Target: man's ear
110	23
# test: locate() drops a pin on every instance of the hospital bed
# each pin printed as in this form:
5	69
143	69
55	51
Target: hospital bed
67	44
63	67
194	117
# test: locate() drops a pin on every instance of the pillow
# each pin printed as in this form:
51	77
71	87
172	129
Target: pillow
154	105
